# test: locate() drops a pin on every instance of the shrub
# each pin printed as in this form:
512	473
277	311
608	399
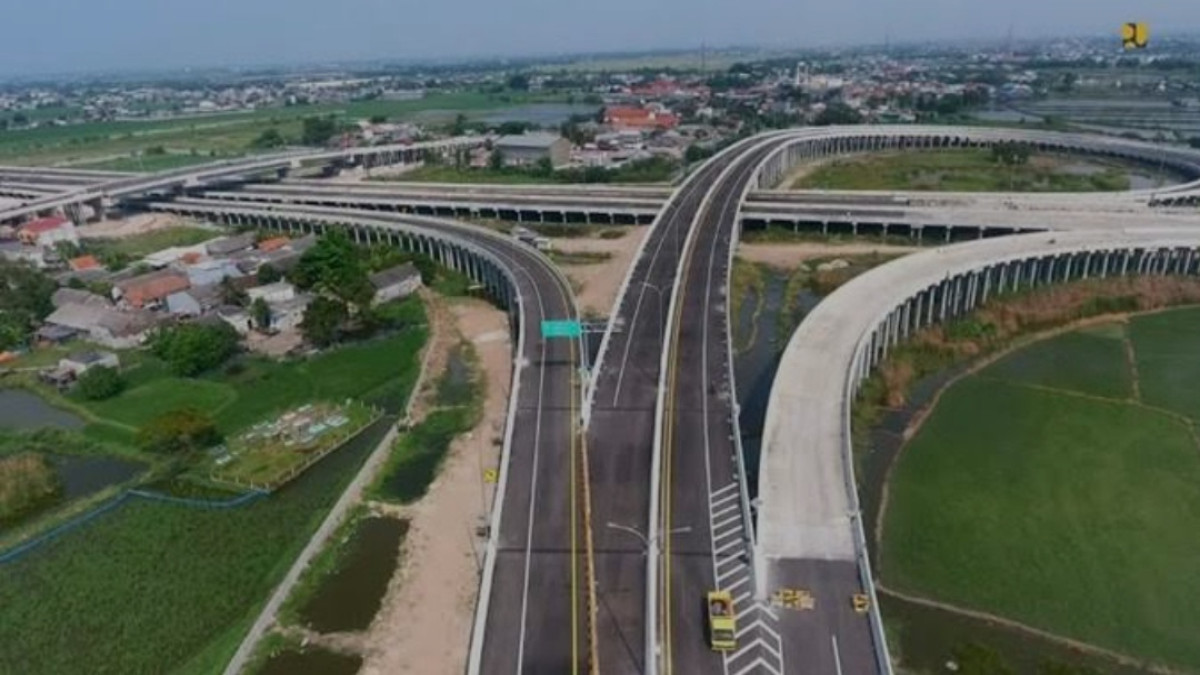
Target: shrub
100	383
179	431
191	349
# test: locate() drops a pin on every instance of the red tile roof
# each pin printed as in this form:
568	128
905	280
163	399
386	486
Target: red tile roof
624	116
154	286
272	244
44	225
84	262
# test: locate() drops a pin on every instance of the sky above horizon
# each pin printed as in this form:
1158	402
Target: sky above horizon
56	36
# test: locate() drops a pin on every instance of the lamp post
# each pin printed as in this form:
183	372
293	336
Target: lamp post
662	317
650	545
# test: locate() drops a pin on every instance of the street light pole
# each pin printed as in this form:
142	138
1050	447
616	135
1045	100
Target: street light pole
662	317
653	648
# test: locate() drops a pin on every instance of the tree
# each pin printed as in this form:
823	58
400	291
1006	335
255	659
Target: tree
231	294
260	311
100	382
25	299
837	113
518	82
379	119
179	431
268	274
191	349
323	319
460	125
335	266
496	161
270	138
1011	153
544	167
318	130
513	128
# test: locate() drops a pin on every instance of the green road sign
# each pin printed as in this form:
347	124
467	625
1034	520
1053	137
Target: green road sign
561	329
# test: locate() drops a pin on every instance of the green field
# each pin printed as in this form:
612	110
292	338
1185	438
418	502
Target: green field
149	162
253	387
160	588
224	134
141	245
966	170
1038	491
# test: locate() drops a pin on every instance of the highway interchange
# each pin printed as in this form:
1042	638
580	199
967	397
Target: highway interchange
622	496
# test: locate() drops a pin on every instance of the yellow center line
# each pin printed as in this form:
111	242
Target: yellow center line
572	511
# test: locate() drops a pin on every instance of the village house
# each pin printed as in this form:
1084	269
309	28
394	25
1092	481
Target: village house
103	325
150	290
395	283
81	362
47	232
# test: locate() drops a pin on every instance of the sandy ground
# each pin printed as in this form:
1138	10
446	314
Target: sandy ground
597	285
360	175
138	224
442	553
789	255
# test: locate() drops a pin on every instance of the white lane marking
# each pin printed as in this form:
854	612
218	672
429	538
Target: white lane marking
721	513
728	522
750	668
537	443
667	222
837	657
735	585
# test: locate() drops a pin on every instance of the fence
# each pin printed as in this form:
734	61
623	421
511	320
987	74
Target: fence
82	519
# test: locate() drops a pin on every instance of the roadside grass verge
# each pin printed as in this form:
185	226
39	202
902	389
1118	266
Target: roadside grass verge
747	283
419	452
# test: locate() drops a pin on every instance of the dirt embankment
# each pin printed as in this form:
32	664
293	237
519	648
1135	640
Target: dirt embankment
442	554
137	224
596	284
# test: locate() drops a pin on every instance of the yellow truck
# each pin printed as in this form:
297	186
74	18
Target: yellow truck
722	622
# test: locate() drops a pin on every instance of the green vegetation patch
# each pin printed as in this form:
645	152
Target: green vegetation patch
1168	362
137	406
26	481
1089	362
149	586
141	245
965	170
1073	515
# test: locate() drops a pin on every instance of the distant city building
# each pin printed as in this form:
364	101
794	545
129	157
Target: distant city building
626	117
527	149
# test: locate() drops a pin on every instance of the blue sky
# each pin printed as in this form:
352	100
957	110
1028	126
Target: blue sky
47	36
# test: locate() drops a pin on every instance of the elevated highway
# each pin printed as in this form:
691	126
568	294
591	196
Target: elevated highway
811	533
100	194
662	449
